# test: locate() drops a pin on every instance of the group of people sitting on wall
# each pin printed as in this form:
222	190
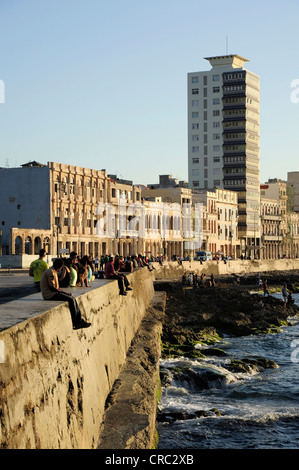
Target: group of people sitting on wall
80	272
127	264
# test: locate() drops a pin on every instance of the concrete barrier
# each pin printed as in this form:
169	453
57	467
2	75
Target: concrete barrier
172	270
54	380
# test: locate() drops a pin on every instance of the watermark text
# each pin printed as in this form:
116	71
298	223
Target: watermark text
295	93
156	221
2	92
295	353
1	352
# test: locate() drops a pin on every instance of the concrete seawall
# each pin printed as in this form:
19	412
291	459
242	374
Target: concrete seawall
55	380
172	270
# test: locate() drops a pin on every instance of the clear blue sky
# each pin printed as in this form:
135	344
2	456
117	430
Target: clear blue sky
103	84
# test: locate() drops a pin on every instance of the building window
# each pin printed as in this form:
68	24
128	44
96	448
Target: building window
216	89
216	78
195	160
216	159
216	124
195	126
216	148
195	149
216	101
216	183
195	115
216	136
216	112
195	172
195	91
194	80
195	184
195	102
195	138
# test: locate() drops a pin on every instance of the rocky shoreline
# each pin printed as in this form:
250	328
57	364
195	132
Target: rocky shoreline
201	315
196	318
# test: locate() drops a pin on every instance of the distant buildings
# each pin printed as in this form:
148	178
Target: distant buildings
66	208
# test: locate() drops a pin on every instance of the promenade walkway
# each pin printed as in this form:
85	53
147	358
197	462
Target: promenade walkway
18	301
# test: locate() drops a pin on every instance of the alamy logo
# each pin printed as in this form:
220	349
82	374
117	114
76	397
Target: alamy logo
295	93
1	352
294	355
2	92
157	220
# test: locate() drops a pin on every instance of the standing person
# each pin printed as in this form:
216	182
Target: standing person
50	291
102	262
285	294
265	287
96	263
37	269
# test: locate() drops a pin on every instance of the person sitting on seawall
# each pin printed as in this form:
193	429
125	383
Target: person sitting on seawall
64	275
37	268
129	268
111	273
118	263
74	276
134	261
51	291
84	272
74	268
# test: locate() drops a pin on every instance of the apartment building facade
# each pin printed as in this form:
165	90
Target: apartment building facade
223	138
176	198
293	191
220	222
60	206
279	221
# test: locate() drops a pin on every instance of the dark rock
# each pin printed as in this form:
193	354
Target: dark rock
176	415
249	365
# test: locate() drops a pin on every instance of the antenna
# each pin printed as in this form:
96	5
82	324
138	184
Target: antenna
226	45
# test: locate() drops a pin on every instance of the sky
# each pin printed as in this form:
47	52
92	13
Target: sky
103	84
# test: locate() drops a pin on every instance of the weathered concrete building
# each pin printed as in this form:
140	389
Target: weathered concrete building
56	206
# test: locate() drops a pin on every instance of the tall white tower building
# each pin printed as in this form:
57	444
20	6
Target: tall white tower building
224	138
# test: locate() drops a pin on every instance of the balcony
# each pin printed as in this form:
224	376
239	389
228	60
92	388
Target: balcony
271	238
271	217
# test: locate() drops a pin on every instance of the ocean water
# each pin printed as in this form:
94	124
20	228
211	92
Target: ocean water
259	410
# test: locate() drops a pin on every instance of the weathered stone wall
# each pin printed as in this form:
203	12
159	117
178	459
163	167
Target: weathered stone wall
55	380
172	270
